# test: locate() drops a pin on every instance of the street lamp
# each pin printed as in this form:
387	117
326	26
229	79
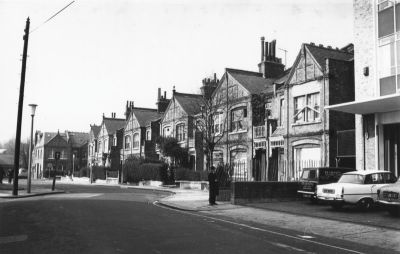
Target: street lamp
33	109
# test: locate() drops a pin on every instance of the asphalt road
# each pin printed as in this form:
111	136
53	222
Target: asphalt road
95	219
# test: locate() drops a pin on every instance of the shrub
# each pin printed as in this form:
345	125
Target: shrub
136	169
98	172
83	172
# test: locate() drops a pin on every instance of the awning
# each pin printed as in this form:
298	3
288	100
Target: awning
381	104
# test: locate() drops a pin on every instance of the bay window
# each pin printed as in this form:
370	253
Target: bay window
136	140
238	119
180	132
127	142
306	108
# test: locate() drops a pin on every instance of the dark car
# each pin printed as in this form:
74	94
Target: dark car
311	177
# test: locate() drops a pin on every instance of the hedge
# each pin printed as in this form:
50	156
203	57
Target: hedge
98	172
135	171
185	174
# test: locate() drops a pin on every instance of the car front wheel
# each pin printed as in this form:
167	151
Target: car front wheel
365	204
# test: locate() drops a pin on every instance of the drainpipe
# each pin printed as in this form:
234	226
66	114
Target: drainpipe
287	130
227	118
324	74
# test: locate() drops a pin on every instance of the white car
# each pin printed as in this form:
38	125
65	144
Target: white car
356	187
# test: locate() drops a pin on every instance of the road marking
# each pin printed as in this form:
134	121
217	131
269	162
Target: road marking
12	238
260	229
290	247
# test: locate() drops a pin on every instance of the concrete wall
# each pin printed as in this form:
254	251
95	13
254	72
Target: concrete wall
250	192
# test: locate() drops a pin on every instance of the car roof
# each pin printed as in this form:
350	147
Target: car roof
366	172
340	168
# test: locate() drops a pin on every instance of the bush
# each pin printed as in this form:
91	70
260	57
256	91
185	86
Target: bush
83	172
98	172
136	169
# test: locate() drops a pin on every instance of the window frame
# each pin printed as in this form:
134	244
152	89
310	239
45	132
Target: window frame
135	144
306	109
234	124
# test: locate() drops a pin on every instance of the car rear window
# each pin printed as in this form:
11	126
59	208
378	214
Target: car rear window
351	178
309	174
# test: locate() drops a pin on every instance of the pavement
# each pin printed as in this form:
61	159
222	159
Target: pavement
197	201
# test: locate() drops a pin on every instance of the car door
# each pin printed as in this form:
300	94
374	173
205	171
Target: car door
377	182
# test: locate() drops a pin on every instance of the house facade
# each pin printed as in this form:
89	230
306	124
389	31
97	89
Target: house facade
72	147
377	88
92	144
320	76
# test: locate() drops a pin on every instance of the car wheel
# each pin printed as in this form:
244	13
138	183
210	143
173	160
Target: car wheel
365	204
337	206
394	211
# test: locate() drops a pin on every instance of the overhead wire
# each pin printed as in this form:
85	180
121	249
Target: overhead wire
53	16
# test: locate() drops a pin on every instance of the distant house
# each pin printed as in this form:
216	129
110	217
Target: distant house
92	144
71	145
109	140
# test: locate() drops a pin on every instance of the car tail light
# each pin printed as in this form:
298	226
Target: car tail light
342	192
378	192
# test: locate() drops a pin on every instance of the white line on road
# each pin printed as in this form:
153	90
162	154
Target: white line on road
261	229
12	238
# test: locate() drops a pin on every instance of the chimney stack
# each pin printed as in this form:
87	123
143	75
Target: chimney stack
159	94
173	90
270	66
266	51
262	48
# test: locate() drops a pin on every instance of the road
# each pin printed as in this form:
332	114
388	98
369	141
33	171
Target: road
97	219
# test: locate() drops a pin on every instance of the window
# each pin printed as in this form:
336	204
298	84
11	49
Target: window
148	135
127	142
167	131
306	108
136	140
218	128
282	112
238	119
388	59
114	141
180	132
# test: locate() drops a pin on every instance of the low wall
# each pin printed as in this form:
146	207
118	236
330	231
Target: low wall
252	192
193	185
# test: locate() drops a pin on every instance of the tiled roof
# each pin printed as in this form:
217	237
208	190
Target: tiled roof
145	115
252	81
47	136
322	53
282	79
95	129
78	139
278	132
191	103
6	160
113	124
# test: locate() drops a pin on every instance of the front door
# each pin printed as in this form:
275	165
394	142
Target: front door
391	137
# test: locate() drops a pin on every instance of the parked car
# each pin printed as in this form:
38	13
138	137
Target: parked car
311	177
356	187
23	173
388	197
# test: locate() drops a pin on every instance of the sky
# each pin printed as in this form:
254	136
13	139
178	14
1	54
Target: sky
97	54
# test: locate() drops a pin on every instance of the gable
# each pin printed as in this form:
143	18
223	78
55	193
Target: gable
305	68
132	123
57	141
103	131
174	111
235	90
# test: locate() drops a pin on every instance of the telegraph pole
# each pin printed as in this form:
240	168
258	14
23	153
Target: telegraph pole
20	106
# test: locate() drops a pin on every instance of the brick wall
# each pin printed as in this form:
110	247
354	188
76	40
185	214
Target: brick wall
250	192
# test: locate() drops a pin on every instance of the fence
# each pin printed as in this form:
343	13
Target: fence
240	171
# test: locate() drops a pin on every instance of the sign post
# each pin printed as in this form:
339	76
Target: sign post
57	157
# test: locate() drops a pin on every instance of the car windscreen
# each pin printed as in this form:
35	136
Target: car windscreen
351	178
309	174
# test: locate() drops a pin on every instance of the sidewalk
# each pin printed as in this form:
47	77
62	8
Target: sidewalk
6	190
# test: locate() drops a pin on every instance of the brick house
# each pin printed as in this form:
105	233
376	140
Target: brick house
320	76
109	141
377	101
73	147
178	121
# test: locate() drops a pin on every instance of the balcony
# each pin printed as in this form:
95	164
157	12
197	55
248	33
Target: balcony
259	131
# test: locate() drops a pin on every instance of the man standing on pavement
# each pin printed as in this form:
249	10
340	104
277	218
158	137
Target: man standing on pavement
213	186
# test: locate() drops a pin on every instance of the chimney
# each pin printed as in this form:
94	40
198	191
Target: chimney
262	48
162	103
266	51
273	50
272	66
209	85
165	94
159	94
173	90
103	116
321	45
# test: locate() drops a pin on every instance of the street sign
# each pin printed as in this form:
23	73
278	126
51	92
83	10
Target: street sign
57	155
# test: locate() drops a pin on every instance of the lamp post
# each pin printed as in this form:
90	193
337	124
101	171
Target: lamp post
33	109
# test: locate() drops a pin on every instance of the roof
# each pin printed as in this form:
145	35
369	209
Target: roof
113	124
278	132
145	115
282	79
78	139
6	160
322	53
366	172
95	129
252	81
191	103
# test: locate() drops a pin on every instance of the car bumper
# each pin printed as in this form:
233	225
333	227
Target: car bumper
389	203
307	194
331	200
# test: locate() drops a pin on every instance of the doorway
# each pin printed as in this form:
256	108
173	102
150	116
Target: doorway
391	139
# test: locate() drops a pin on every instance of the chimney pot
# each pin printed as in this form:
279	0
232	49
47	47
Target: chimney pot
321	45
262	49
215	77
312	43
266	52
329	47
165	94
159	93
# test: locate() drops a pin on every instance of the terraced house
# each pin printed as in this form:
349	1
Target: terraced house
178	121
320	76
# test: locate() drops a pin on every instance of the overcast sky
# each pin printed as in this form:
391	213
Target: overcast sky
97	54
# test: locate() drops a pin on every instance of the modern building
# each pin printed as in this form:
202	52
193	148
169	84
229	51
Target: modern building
377	85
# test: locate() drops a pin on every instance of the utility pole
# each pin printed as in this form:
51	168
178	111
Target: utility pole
20	106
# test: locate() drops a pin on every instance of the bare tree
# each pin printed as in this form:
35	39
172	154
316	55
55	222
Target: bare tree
24	151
